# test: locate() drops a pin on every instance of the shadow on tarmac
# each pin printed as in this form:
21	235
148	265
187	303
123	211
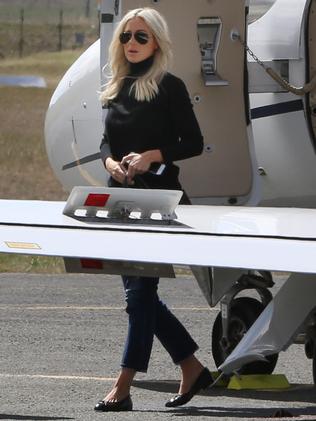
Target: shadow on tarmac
235	413
296	393
31	417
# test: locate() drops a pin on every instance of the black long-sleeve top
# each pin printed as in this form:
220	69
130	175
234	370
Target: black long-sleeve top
167	123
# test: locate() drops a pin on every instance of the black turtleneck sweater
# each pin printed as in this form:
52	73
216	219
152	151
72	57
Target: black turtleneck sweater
166	123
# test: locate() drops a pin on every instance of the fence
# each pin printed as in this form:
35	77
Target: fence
28	26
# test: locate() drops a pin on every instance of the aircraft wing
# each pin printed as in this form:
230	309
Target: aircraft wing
275	239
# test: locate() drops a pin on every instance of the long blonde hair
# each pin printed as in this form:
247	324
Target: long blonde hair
145	88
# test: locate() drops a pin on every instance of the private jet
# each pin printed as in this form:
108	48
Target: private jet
253	89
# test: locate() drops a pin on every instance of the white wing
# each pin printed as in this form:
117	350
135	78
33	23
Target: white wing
278	239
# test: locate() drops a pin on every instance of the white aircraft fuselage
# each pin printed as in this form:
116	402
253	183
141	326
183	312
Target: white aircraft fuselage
259	139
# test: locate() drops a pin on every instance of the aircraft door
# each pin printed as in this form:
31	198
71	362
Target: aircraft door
213	68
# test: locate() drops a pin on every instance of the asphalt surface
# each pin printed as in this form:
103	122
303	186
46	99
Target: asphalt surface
61	344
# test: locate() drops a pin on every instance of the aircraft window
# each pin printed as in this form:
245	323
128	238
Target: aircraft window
258	8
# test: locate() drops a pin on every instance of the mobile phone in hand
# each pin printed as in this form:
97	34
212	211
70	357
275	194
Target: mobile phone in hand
157	168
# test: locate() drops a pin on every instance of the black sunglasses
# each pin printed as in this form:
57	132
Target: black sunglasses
140	36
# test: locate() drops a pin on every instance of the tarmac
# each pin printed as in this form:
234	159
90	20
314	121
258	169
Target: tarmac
61	342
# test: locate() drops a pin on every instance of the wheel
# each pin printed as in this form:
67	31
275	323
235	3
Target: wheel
314	364
243	312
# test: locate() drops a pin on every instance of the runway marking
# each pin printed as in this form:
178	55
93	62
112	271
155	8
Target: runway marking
55	377
96	308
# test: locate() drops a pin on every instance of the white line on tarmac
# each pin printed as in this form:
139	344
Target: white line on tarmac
42	376
96	308
80	378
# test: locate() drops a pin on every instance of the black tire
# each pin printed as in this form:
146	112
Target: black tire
244	311
314	365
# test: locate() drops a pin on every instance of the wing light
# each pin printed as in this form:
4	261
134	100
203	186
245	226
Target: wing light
98	200
91	264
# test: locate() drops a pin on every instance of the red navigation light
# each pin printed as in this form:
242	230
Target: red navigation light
91	264
98	200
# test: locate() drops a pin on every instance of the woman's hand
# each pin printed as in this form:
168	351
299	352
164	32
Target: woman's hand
116	170
139	163
135	163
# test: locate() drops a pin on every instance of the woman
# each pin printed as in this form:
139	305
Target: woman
150	121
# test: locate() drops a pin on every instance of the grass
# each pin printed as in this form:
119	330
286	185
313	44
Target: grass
23	156
41	25
50	65
38	37
48	10
30	264
25	172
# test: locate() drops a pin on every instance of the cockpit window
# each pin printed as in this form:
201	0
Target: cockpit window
258	8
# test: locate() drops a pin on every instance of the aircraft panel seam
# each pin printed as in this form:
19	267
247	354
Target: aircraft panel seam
153	231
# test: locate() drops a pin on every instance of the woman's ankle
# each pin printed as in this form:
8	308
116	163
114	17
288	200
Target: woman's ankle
122	385
191	368
117	394
191	364
125	378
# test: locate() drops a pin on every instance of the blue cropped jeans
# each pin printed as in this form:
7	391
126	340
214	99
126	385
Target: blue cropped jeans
149	316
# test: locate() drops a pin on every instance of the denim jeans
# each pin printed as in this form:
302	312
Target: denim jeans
149	316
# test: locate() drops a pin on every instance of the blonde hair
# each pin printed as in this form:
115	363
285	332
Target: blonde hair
145	88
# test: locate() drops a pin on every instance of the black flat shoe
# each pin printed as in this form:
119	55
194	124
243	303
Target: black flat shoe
202	382
125	404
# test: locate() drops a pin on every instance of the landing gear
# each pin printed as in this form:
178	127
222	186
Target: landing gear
291	318
243	312
237	313
314	367
310	343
